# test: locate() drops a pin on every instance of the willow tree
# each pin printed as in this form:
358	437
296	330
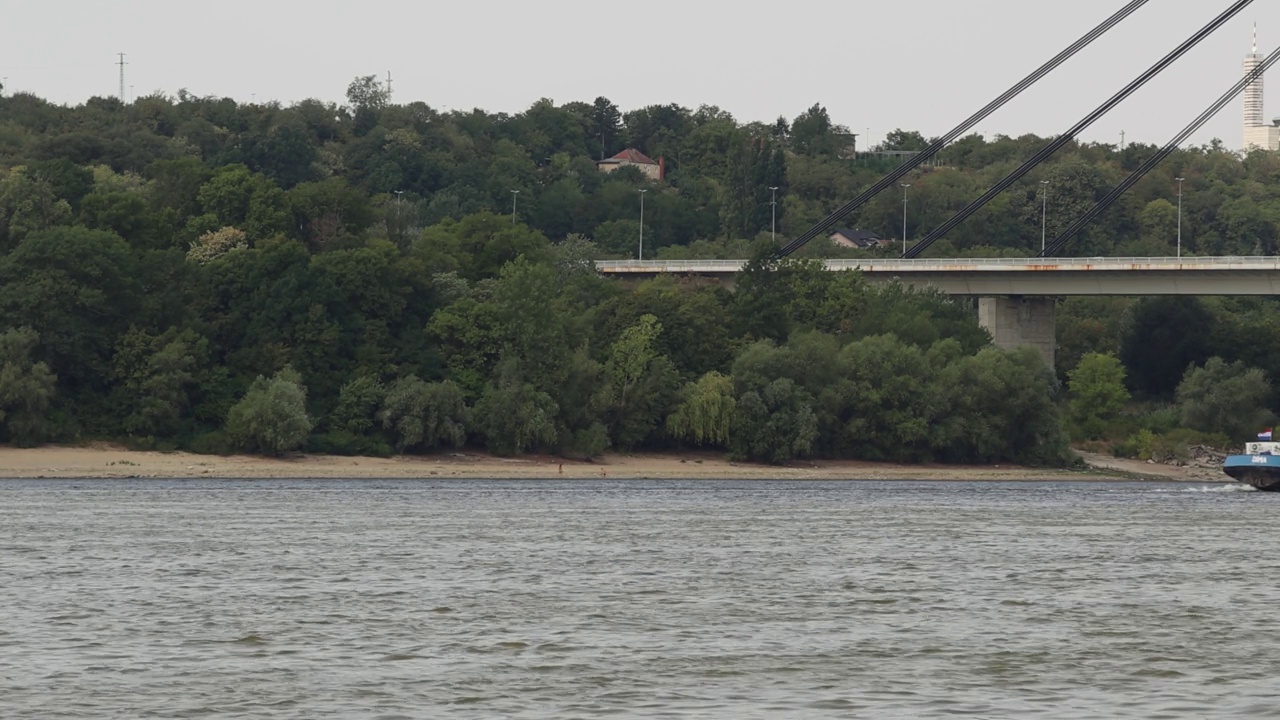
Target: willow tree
705	414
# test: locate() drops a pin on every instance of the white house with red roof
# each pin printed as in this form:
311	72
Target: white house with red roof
635	158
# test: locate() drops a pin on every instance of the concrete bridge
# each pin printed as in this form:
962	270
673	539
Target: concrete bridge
1016	295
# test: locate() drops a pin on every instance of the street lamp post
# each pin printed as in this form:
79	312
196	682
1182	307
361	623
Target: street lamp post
905	187
641	253
395	216
774	221
1180	181
515	195
1044	212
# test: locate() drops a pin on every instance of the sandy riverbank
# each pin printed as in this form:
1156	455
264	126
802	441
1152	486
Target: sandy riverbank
102	461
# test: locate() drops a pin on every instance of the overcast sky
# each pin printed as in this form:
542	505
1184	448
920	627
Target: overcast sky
875	65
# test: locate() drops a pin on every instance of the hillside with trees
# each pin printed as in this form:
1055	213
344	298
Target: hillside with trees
374	277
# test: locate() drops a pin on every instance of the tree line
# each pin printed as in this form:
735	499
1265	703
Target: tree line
193	272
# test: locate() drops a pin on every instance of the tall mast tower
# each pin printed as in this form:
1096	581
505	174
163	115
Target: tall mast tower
1253	94
1258	135
122	63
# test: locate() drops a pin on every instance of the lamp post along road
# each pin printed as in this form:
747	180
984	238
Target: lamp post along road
774	220
905	187
1044	212
1180	181
641	253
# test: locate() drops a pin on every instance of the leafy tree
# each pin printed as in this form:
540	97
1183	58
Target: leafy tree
1159	222
173	188
78	289
67	180
762	295
1097	390
26	388
125	213
775	425
696	324
642	382
425	415
907	140
583	397
813	133
621	238
605	127
478	245
1167	335
1223	397
369	97
358	403
706	411
239	198
754	166
216	243
272	417
156	376
328	214
999	406
513	416
884	400
27	205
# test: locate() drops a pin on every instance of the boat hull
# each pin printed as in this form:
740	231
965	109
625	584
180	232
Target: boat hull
1260	471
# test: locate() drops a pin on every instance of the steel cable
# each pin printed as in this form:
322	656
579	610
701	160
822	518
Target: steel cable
933	149
1159	157
1079	127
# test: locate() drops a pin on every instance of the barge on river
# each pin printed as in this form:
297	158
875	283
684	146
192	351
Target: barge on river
1259	466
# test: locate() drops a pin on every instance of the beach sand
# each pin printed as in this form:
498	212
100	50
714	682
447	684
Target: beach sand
107	461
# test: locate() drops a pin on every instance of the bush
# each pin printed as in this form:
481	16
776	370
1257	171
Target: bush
272	417
1224	397
425	415
1097	393
514	416
1139	445
1173	446
26	389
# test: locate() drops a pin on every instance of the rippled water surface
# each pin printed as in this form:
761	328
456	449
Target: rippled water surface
472	599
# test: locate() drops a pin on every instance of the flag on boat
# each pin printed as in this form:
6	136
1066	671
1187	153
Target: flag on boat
1266	436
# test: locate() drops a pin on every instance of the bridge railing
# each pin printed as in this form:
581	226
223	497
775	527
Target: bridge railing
677	266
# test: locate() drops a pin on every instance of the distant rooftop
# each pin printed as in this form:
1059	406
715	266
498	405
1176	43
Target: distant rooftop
631	155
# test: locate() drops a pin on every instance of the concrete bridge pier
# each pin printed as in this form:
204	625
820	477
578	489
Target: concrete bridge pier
1021	322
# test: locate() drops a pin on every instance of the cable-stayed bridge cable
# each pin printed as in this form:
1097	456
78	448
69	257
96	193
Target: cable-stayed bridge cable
1159	157
933	149
1079	127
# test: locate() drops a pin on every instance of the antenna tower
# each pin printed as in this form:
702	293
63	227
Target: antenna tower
388	87
1253	95
122	63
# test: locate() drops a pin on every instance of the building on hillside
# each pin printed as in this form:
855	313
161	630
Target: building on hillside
858	239
1257	134
635	158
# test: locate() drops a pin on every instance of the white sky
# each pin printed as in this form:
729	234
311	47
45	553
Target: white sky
875	64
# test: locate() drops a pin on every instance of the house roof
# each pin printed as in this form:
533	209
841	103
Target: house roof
857	234
631	155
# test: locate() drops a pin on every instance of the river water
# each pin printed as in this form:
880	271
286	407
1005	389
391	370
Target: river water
503	599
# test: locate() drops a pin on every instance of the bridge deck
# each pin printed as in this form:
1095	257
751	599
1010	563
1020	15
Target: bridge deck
991	277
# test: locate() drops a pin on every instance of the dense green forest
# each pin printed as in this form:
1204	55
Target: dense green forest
374	277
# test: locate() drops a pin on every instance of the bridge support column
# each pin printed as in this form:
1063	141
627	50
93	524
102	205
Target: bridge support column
1021	322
